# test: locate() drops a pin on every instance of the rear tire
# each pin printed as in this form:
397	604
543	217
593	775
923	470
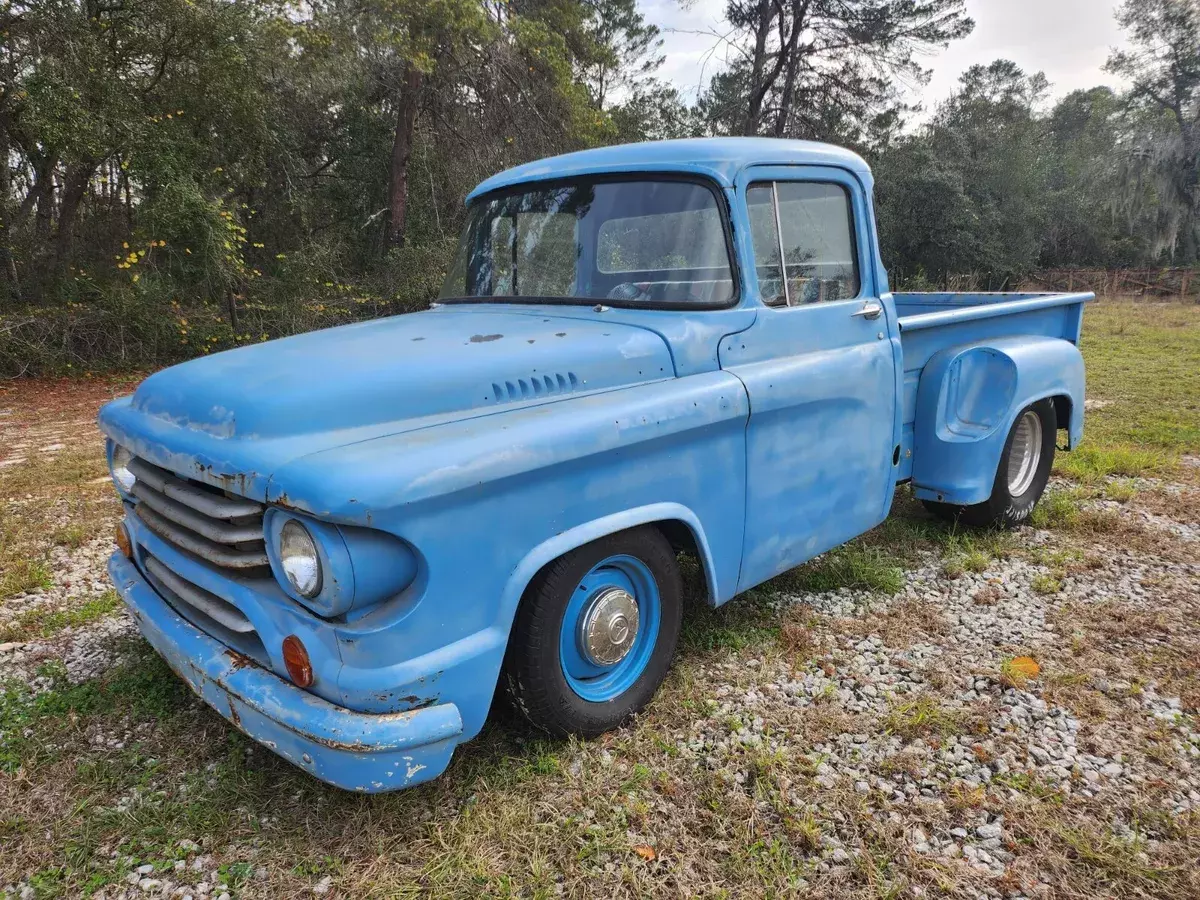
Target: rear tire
595	634
1021	477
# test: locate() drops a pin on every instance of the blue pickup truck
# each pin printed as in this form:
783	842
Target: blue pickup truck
346	541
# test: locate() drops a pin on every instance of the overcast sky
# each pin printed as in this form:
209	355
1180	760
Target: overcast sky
1069	40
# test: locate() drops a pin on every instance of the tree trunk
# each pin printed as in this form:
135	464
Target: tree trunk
231	306
762	27
43	182
402	141
74	188
7	264
128	196
791	65
44	219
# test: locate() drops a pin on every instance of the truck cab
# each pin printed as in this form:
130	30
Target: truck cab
347	541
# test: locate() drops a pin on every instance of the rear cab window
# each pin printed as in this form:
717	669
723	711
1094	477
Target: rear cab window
804	243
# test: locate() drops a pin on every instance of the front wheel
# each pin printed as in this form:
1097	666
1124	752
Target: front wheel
1021	478
595	634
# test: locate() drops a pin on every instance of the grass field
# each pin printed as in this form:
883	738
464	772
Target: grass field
1143	371
115	780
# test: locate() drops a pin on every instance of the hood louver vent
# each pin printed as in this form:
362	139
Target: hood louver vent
535	386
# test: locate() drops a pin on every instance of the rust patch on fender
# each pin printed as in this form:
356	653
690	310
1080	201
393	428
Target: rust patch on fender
418	703
239	660
234	716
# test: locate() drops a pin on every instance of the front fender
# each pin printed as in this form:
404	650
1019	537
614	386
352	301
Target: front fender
566	541
968	398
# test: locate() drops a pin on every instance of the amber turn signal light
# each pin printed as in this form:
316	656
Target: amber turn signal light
123	542
295	658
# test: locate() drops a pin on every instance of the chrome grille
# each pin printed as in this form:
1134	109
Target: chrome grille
205	610
226	531
222	531
224	614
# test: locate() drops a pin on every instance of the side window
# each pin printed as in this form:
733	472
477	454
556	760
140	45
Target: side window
764	236
813	224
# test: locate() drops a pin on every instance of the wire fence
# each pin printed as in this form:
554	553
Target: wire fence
1147	283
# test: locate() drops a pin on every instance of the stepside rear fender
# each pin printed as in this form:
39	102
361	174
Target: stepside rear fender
968	398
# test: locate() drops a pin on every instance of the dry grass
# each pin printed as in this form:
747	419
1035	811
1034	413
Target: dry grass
1070	847
57	499
901	625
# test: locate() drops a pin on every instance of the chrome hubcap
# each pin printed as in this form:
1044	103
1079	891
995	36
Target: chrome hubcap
1026	454
609	627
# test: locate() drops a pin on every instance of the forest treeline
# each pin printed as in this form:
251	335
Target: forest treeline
181	176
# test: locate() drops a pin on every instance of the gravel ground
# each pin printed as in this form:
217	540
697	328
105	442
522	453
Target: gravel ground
871	677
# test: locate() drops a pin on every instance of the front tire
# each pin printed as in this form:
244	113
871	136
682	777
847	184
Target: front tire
595	634
1021	477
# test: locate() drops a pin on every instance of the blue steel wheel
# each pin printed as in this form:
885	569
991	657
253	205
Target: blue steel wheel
595	634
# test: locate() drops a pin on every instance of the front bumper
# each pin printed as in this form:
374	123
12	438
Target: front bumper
352	750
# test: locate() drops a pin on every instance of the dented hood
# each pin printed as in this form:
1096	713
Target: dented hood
258	406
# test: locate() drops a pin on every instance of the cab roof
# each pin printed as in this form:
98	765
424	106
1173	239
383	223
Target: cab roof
718	158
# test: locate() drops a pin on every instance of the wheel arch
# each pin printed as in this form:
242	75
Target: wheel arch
678	524
1064	410
957	449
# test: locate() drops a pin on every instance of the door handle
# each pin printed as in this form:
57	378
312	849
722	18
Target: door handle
870	312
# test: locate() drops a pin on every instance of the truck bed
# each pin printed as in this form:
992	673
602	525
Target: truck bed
932	322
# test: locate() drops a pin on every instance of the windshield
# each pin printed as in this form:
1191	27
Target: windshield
625	243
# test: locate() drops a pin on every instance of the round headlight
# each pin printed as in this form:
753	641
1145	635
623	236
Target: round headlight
121	459
298	555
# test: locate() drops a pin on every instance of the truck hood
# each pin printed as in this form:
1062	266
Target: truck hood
244	412
399	370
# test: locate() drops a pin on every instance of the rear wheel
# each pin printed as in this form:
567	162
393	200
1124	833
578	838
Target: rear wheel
595	634
1021	477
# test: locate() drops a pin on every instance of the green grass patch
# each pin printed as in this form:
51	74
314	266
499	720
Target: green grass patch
1056	509
924	716
72	536
48	622
1111	856
144	688
1046	584
24	576
746	621
1144	359
1120	491
850	566
974	551
1091	464
1024	783
770	862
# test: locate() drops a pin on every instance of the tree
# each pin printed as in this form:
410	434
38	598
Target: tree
619	52
1085	194
100	96
992	130
825	68
928	228
1163	67
967	193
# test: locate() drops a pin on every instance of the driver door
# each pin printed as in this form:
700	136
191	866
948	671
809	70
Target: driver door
819	365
